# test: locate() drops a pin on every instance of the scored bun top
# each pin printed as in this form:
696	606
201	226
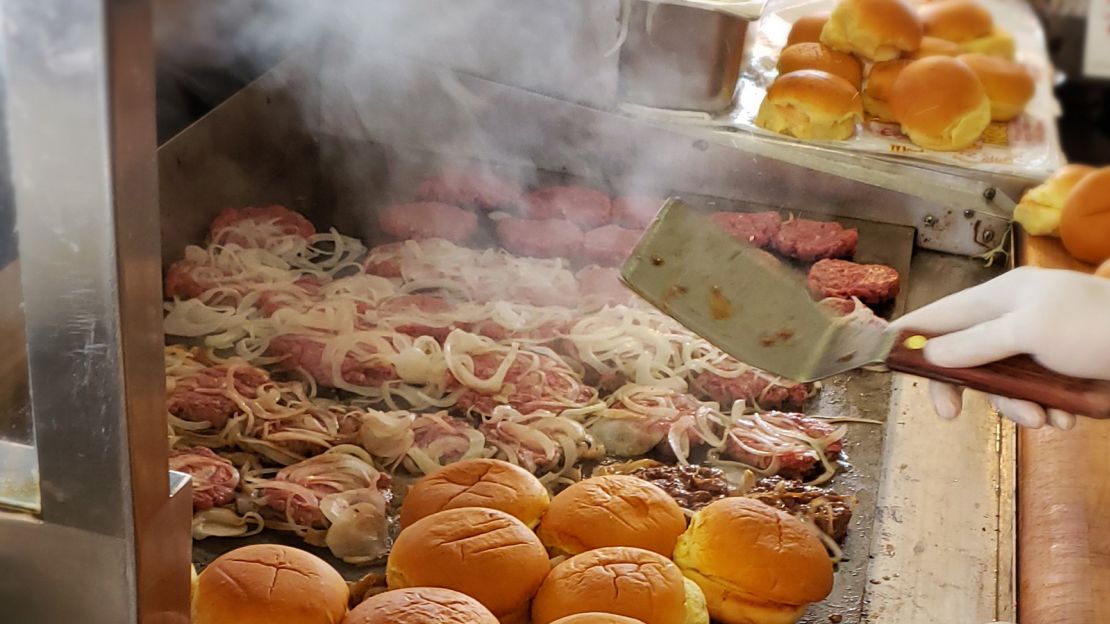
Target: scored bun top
819	56
484	553
940	103
269	584
420	605
1009	84
631	582
1085	222
807	29
757	550
877	30
615	510
489	483
957	20
597	618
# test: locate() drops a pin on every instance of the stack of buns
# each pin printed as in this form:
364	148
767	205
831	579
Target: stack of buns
467	555
1040	208
941	105
1085	220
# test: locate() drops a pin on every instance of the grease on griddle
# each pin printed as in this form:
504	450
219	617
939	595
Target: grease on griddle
656	261
777	338
674	292
719	305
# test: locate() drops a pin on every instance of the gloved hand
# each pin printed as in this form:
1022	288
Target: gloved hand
1060	318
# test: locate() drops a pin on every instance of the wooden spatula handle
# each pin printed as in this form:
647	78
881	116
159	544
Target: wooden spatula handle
1018	377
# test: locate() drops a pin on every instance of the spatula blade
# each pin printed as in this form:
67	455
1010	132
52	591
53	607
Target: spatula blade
743	301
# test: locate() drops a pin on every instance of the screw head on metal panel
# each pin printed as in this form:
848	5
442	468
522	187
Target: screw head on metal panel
988	236
930	220
990	193
969	213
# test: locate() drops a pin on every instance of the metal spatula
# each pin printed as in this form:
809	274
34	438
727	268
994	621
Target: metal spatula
761	313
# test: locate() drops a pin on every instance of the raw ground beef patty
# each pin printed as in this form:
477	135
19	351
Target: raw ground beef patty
609	245
420	220
756	228
470	189
635	211
540	238
809	241
870	283
578	204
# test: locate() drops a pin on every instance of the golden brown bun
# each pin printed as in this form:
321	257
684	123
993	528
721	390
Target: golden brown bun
935	46
631	582
754	563
1085	222
1040	208
999	43
818	56
1104	270
812	105
420	605
807	29
1009	84
876	94
940	103
957	20
489	483
877	30
615	510
483	553
597	618
269	584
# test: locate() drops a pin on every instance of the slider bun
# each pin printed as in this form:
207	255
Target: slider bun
811	104
940	103
754	563
999	43
269	584
614	510
1104	270
631	582
957	20
807	29
1009	85
483	553
935	46
1040	208
420	605
818	56
880	81
877	30
489	483
1085	222
597	618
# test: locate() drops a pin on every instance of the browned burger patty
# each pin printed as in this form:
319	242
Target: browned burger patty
609	245
870	283
756	228
634	211
422	220
830	511
470	189
808	241
540	238
577	204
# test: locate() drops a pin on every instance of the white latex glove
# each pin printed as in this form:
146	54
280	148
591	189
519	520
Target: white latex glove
1060	318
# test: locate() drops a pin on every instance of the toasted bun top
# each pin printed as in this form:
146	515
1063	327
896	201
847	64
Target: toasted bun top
1085	222
1104	270
818	56
817	90
420	605
757	550
597	618
483	553
880	80
269	584
490	483
930	94
807	29
615	510
957	20
631	582
1005	81
868	25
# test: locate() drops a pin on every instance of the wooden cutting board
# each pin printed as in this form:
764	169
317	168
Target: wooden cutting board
1063	504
